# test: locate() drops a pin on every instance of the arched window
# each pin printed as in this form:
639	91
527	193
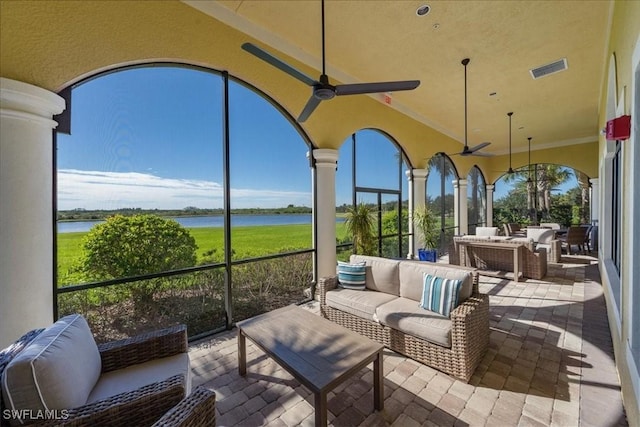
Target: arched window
190	146
440	196
477	199
371	172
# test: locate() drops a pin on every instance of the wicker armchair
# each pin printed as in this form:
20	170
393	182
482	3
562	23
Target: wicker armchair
162	402
576	236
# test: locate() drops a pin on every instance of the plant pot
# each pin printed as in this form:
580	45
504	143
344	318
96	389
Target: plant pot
427	255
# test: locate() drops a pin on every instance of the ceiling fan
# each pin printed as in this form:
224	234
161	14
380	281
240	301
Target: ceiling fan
473	151
322	89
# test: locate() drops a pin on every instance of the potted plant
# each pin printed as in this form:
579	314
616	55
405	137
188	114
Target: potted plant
426	225
360	226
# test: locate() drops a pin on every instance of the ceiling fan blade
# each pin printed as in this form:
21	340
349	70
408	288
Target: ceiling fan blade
312	103
360	88
279	64
479	146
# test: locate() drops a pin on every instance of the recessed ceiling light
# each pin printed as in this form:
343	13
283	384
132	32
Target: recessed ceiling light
423	10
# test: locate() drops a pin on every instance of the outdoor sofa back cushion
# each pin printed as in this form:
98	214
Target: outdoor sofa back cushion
381	273
412	278
487	231
57	370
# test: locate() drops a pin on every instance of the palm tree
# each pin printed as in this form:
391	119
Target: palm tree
360	223
583	183
548	177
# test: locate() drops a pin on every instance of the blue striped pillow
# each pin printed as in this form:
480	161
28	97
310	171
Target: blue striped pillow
439	294
351	276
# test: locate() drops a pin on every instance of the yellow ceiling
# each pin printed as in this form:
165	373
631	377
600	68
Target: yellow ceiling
369	41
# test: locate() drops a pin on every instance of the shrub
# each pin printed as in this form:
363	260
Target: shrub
126	246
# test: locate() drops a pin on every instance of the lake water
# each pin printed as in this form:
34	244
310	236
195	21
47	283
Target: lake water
207	221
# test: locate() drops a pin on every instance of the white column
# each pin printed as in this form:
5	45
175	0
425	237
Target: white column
419	197
325	215
460	205
489	188
26	203
595	209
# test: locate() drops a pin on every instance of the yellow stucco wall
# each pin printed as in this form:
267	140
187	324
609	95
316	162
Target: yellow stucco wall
624	38
54	43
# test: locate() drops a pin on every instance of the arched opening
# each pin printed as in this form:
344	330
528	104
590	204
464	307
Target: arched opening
204	153
371	174
542	192
476	199
440	196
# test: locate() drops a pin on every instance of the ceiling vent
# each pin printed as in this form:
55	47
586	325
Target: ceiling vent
545	70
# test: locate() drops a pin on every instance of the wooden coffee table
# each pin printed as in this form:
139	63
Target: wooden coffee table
317	352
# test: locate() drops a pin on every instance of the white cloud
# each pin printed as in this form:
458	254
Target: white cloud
113	190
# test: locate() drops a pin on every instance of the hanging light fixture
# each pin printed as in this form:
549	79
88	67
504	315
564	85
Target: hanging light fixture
510	171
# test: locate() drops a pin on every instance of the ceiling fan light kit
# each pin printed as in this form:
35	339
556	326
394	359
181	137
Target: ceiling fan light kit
322	90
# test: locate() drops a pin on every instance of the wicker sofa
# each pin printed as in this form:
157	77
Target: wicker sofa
388	312
59	376
533	264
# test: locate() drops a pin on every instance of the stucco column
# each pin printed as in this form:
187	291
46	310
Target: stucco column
489	192
461	213
417	193
595	217
325	215
26	202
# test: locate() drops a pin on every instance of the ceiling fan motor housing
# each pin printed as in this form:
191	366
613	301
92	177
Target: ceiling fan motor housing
323	90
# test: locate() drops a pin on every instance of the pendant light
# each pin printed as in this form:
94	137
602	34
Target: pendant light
510	171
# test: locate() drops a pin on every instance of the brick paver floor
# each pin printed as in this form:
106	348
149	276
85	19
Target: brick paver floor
549	362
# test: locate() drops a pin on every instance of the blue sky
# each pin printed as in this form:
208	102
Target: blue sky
152	138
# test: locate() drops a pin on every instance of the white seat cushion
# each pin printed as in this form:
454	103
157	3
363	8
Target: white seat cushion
407	316
140	375
359	303
57	370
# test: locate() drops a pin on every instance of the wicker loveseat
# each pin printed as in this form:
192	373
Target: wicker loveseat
59	376
533	262
388	311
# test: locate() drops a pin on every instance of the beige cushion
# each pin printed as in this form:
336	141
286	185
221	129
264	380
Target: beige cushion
382	274
412	283
57	370
536	234
487	231
406	316
136	376
359	303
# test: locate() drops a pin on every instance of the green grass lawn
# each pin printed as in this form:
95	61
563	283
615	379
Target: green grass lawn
245	241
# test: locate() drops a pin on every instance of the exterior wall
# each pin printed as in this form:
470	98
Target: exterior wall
625	44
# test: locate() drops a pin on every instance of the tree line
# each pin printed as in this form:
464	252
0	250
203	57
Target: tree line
98	214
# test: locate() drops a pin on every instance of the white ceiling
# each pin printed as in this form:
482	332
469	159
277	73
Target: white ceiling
370	41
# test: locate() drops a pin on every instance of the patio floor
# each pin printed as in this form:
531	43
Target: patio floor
550	362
